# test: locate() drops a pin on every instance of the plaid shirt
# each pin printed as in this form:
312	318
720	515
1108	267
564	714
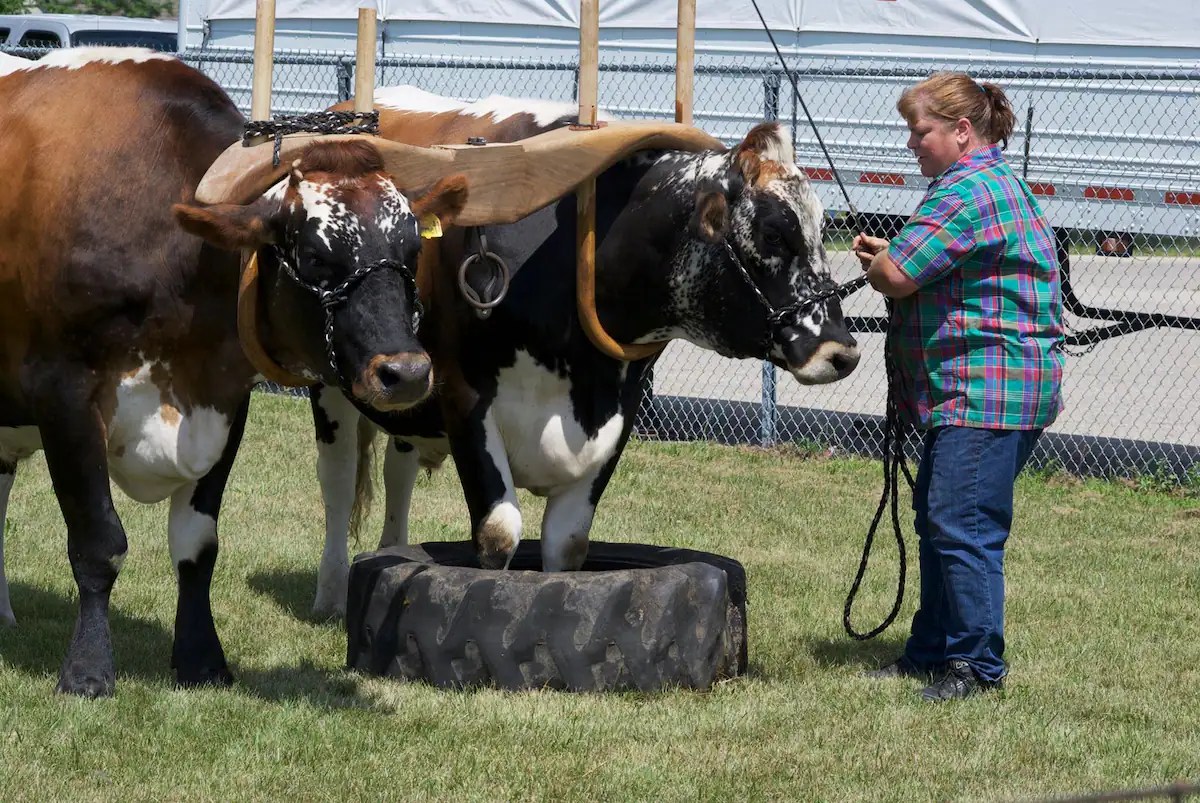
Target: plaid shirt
979	344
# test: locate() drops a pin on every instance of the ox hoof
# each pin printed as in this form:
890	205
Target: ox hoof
326	610
87	684
206	677
330	603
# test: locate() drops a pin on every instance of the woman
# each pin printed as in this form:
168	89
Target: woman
976	331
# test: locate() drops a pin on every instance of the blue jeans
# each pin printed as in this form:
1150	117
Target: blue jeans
964	505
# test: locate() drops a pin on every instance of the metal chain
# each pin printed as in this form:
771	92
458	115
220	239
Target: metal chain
325	122
778	319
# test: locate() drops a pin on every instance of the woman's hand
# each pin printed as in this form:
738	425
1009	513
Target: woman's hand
865	248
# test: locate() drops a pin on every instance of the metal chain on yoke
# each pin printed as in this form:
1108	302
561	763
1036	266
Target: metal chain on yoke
330	299
325	122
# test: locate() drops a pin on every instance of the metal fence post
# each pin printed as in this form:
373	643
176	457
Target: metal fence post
1028	142
768	414
345	80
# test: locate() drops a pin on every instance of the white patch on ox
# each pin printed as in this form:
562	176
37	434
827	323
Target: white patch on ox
331	216
337	466
547	448
410	98
72	58
189	531
393	207
779	149
565	527
154	445
501	527
544	112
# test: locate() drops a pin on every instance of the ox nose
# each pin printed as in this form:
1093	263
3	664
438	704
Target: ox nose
844	361
397	381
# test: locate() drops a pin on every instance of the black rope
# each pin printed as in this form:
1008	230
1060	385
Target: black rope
895	431
326	122
895	437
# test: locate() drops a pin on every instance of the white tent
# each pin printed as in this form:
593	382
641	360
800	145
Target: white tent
1000	23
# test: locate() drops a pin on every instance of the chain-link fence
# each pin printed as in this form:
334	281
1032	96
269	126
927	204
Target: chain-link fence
1112	154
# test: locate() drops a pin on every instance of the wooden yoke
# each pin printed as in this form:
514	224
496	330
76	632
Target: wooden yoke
506	181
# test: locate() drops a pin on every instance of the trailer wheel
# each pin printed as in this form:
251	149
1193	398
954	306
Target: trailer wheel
634	617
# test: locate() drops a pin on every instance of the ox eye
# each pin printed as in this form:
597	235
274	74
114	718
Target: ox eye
772	237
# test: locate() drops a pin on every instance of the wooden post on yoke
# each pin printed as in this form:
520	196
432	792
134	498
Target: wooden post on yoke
364	62
685	60
264	62
585	222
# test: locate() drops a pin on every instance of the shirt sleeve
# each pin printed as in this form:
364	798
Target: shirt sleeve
939	236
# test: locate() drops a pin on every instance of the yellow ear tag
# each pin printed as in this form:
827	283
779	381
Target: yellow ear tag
431	227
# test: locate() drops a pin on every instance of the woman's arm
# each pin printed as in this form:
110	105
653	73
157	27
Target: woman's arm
888	279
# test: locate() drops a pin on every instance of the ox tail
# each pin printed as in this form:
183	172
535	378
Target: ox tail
364	477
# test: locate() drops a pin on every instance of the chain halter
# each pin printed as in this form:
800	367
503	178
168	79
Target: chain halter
788	316
331	299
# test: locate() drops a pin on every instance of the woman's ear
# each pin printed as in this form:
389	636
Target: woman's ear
963	130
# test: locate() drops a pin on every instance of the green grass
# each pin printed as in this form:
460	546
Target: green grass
1104	601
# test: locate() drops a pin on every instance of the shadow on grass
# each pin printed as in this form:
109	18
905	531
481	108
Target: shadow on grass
46	620
318	686
293	591
856	654
142	649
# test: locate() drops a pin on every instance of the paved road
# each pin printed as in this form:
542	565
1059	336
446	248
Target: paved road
1144	386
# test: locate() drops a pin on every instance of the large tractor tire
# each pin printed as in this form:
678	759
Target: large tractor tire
635	617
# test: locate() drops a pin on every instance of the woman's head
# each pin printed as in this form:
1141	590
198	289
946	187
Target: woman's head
949	114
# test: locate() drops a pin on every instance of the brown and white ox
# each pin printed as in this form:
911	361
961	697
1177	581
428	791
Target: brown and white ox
119	354
690	245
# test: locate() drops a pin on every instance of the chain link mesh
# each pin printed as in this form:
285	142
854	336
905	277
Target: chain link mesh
1110	151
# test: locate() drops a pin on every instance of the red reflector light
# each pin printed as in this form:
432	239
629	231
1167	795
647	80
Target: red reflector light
887	179
1108	193
819	173
1183	198
1042	188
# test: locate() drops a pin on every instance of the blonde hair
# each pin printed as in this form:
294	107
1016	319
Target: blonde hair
951	96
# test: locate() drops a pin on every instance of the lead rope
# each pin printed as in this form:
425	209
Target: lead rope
895	437
895	433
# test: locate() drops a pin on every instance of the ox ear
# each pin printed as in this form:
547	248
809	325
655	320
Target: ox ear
231	226
445	201
710	221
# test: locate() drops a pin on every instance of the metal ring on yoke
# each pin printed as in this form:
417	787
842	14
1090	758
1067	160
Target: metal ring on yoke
483	308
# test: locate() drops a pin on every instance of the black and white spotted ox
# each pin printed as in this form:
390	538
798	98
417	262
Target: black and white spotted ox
695	246
119	352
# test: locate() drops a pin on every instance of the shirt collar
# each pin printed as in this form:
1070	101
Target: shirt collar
981	157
